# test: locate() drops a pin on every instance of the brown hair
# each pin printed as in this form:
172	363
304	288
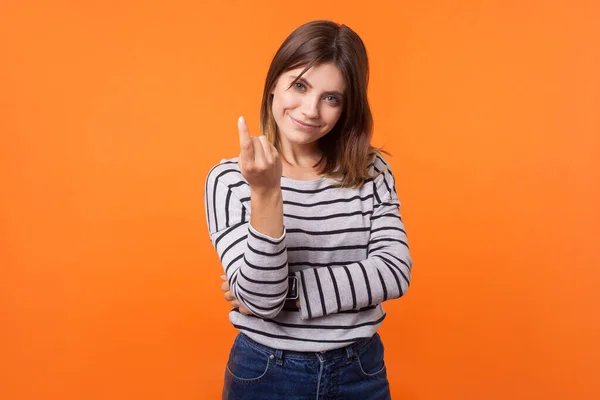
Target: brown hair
346	149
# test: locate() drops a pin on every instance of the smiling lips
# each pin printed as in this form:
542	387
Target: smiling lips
303	125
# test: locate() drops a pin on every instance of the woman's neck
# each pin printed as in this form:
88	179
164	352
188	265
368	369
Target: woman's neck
302	157
300	165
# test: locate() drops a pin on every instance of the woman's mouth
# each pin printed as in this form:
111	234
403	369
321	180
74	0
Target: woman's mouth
303	125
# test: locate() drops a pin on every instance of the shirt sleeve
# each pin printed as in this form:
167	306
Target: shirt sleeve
255	264
384	275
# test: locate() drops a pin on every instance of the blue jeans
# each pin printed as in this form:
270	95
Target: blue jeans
258	372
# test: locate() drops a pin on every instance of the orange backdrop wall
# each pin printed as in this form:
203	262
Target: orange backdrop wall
111	114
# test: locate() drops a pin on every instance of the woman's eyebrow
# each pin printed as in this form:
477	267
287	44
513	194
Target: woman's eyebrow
301	79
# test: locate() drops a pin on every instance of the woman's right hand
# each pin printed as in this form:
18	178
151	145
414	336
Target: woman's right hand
259	161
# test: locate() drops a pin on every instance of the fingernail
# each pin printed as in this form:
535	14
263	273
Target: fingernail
223	277
242	120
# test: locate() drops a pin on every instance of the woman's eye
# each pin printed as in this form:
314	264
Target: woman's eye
299	85
332	99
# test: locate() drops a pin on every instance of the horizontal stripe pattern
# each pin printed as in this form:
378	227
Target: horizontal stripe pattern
347	247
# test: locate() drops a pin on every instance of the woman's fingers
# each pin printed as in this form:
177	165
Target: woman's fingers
236	304
259	161
244	310
259	154
267	150
253	150
225	286
229	296
246	143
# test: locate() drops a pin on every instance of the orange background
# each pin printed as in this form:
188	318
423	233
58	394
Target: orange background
111	114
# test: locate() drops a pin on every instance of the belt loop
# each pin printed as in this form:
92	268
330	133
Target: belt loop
349	354
278	357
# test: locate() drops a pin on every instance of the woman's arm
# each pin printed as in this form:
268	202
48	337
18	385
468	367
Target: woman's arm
253	253
384	275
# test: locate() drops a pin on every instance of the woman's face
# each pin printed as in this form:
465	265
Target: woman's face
311	107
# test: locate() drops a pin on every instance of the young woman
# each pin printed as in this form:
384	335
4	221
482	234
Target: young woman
306	224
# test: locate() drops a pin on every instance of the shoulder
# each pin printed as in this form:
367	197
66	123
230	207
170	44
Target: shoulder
226	177
227	171
384	181
380	169
379	164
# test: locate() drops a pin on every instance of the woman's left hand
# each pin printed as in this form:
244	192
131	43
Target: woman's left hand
230	297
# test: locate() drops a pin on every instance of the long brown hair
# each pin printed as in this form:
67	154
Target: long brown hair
346	149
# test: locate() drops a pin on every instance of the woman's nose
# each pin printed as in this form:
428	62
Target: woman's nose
310	107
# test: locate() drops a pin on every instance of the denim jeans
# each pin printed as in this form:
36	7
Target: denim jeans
258	372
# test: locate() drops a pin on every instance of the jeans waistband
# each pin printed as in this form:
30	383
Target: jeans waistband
346	351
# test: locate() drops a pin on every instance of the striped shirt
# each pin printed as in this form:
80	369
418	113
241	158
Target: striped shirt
347	247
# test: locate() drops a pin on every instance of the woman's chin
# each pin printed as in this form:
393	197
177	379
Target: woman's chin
299	138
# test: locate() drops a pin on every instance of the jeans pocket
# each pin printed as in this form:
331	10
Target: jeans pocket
247	363
369	359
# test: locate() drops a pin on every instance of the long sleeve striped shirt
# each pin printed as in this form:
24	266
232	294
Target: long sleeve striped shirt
347	247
